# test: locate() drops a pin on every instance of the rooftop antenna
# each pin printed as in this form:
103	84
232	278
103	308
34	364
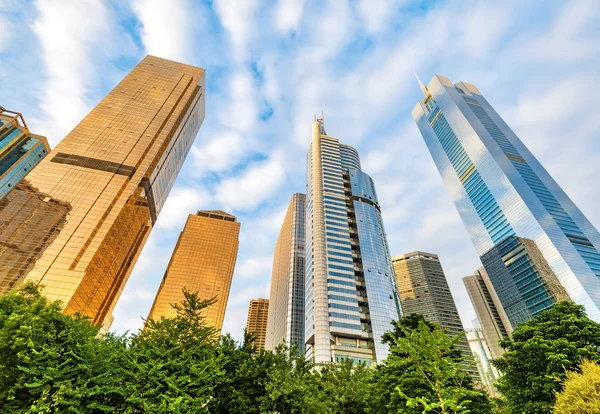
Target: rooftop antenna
423	87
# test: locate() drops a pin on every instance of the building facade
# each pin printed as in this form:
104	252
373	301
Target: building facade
423	289
20	150
512	208
480	349
286	301
350	291
494	323
257	321
203	261
78	221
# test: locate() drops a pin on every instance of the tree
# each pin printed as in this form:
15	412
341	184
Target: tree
581	393
174	364
423	373
342	388
51	362
539	353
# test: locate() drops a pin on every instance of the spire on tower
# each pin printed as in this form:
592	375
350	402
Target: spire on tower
423	87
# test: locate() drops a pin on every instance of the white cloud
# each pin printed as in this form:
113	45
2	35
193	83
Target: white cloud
166	27
222	152
253	186
242	113
182	202
288	15
254	267
73	36
239	19
236	314
376	14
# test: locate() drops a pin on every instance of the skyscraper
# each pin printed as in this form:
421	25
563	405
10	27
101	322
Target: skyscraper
482	355
286	301
534	242
257	321
20	150
490	313
350	291
203	262
423	289
78	221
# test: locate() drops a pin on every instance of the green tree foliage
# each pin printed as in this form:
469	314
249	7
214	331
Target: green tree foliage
539	353
423	373
173	364
51	362
581	393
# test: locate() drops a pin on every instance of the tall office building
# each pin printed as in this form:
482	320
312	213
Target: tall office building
423	289
536	245
20	150
350	290
482	355
490	313
286	301
78	221
257	321
203	262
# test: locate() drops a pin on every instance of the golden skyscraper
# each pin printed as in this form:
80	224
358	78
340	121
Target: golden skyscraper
78	221
203	261
258	313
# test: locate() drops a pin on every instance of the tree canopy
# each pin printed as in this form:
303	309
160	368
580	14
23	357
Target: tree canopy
539	354
52	362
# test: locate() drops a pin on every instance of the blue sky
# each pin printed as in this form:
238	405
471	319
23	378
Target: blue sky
271	65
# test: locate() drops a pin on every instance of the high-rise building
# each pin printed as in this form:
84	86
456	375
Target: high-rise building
257	321
78	221
482	355
286	301
490	313
20	150
350	291
423	289
535	244
203	262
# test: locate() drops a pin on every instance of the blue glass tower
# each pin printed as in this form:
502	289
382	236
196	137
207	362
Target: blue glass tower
350	290
535	244
20	150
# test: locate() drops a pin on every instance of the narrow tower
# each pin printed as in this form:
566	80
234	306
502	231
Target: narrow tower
350	291
286	302
78	221
203	262
535	244
257	321
490	313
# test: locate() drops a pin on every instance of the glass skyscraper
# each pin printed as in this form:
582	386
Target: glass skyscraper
258	312
203	261
350	290
78	221
20	150
286	301
491	317
535	244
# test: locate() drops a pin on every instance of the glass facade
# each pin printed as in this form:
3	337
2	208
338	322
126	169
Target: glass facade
535	244
423	289
203	261
78	221
20	150
286	315
350	291
491	316
483	357
258	312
